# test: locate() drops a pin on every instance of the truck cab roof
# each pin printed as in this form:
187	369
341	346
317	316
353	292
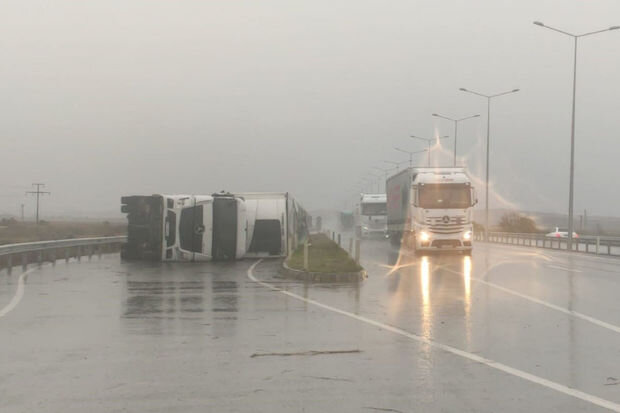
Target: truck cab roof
440	175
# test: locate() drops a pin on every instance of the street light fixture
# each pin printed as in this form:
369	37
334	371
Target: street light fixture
572	129
429	141
411	153
456	122
486	187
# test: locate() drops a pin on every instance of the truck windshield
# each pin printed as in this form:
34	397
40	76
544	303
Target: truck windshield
438	196
375	208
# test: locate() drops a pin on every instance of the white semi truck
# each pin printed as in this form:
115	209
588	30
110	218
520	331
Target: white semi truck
371	215
221	226
185	227
431	209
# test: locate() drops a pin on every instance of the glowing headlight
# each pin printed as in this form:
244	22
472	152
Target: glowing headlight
424	236
467	236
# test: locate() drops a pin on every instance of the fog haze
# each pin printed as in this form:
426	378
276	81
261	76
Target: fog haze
107	98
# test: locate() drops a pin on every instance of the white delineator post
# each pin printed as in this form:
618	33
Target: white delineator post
306	255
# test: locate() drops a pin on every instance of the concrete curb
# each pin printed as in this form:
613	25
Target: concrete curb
289	272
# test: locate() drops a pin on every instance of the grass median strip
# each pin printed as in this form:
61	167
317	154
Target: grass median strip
324	255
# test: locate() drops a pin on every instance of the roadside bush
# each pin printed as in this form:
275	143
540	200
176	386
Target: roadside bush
516	222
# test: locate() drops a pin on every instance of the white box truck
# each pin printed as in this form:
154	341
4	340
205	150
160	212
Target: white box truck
371	215
431	209
185	227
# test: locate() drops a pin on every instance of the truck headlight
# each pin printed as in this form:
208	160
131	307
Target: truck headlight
424	236
467	236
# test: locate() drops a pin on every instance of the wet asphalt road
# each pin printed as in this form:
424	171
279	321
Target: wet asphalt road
108	336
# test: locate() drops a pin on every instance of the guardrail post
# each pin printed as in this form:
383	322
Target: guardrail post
24	262
40	258
338	239
598	244
9	263
66	255
90	252
53	257
79	253
99	250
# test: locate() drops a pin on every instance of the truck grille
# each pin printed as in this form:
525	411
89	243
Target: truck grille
446	225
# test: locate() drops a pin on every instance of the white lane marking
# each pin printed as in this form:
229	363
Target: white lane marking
557	267
19	293
470	356
573	313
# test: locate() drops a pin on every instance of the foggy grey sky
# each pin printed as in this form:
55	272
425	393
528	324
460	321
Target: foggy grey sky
104	98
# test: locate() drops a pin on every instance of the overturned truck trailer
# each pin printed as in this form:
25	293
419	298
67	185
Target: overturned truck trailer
184	227
212	227
277	223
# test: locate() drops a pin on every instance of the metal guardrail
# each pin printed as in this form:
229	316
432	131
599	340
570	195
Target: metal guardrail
50	251
586	244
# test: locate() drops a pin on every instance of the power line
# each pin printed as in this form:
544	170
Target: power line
38	192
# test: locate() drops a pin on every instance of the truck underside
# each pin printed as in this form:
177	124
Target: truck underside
144	228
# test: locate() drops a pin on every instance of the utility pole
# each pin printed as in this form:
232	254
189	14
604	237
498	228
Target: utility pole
38	192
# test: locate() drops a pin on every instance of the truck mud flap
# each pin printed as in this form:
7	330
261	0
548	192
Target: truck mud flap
144	228
224	245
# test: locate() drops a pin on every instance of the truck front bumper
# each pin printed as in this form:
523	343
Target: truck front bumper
445	242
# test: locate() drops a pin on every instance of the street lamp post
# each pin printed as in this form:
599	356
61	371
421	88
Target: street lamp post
411	153
486	186
572	128
456	122
429	141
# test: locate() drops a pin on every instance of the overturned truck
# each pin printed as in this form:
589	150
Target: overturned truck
221	226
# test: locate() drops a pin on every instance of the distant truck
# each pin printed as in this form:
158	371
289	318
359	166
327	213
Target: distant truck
185	227
371	215
431	209
347	220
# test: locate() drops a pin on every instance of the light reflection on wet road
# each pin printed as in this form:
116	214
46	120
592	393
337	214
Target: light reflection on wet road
107	336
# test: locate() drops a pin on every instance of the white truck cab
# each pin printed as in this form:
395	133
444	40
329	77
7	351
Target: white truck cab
431	209
185	227
371	215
